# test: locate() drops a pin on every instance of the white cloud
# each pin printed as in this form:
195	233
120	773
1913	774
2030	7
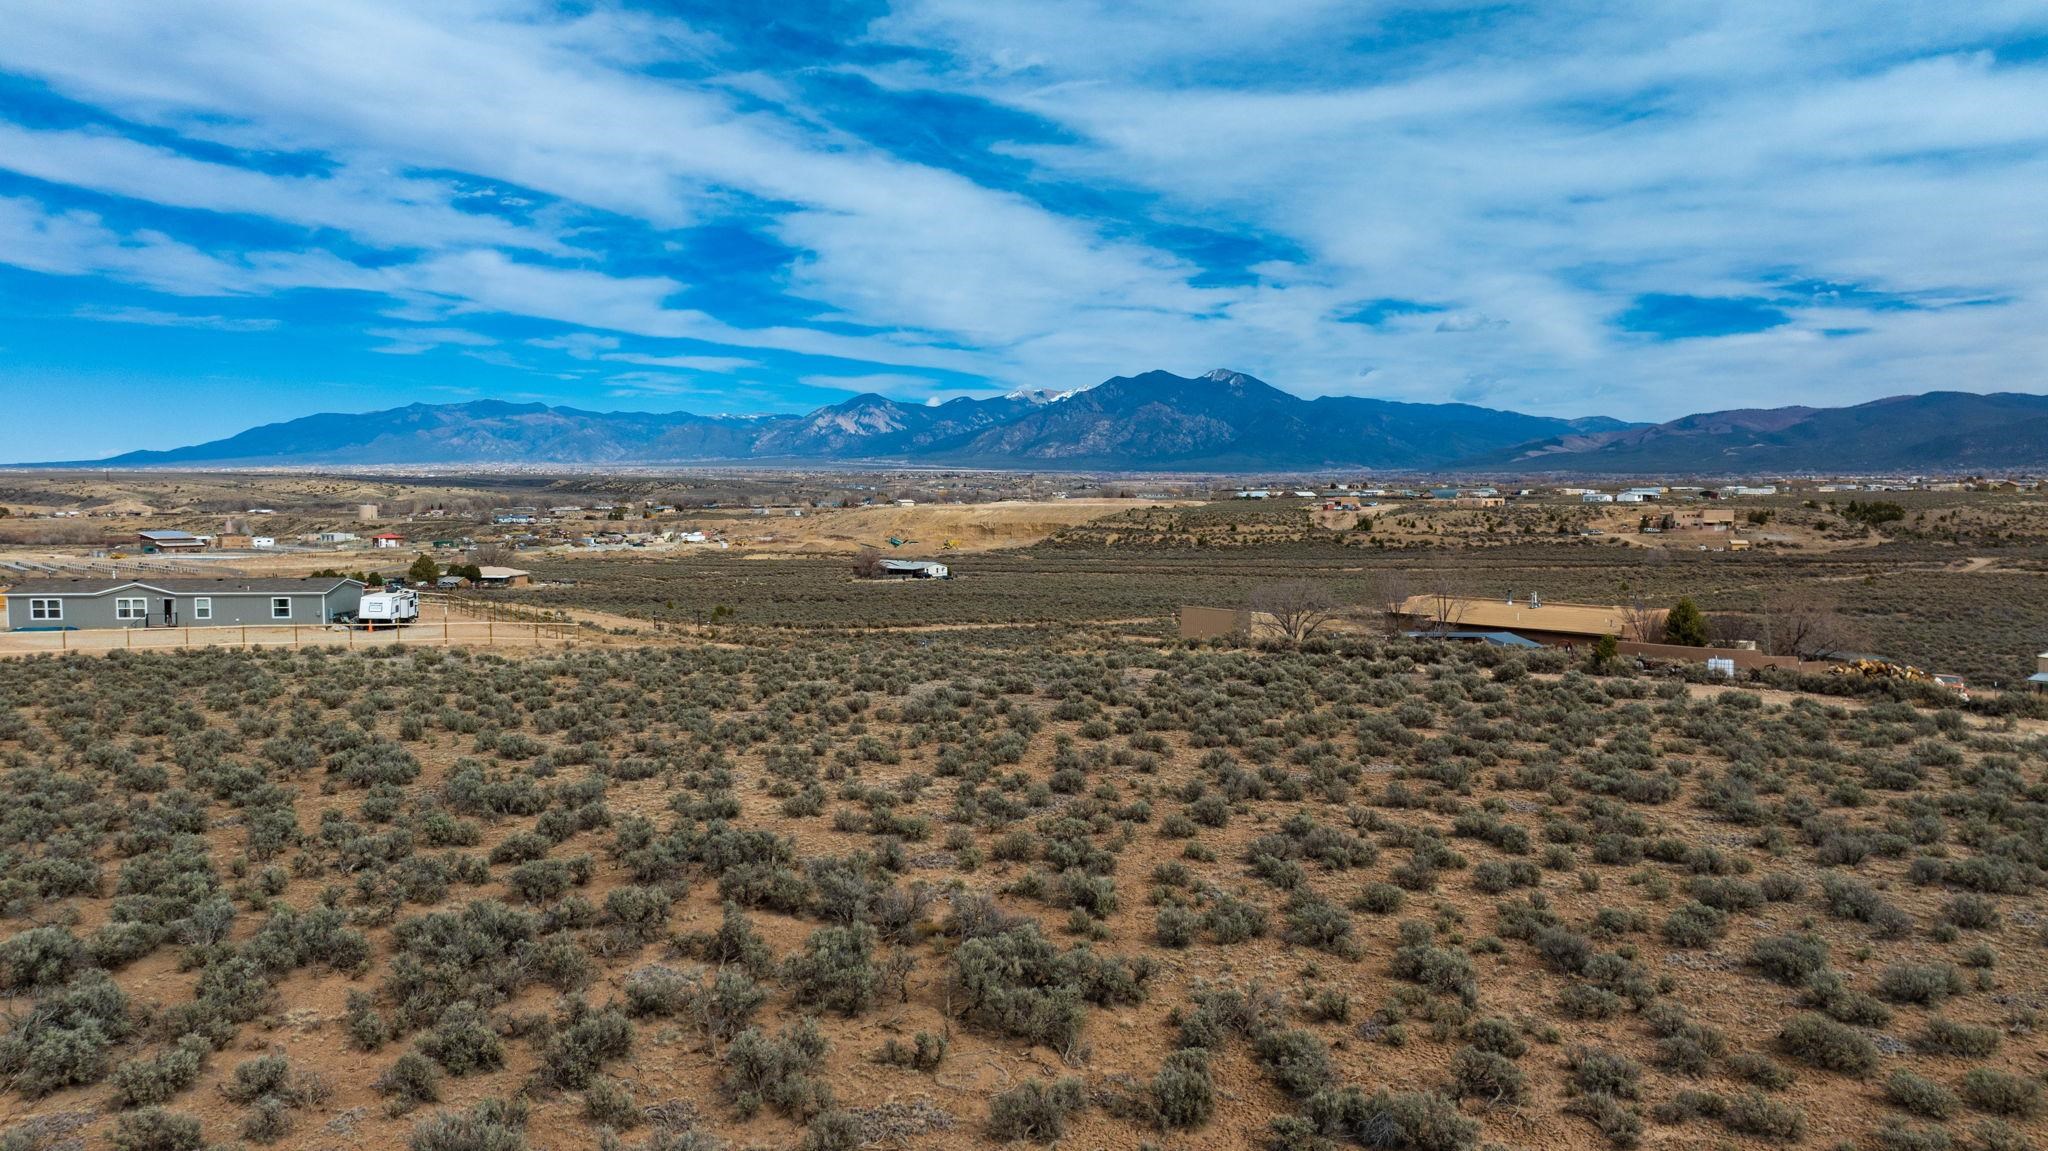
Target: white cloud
1531	171
151	317
413	341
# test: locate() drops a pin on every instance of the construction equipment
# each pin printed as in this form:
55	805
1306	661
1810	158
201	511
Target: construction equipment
899	541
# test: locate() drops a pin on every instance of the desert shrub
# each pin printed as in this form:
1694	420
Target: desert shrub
1234	920
1599	1072
658	991
1496	1036
1313	921
1947	1037
778	1071
1998	1092
1756	1114
1618	1121
832	1131
410	1081
366	1027
1824	1043
1380	899
463	1041
1828	991
1895	1136
1175	926
1035	1111
1695	925
1398	1121
146	1082
836	970
1487	1076
924	1053
1922	1096
1760	1069
1928	983
1015	982
1440	969
609	1103
1790	959
39	957
577	1051
65	1038
155	1129
1971	912
491	1125
1183	1094
1297	1061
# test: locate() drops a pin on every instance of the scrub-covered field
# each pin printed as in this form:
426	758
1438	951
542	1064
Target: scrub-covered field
957	889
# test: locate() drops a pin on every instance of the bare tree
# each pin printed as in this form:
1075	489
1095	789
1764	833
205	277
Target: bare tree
1640	622
1807	623
1446	602
867	563
1299	608
491	553
1387	594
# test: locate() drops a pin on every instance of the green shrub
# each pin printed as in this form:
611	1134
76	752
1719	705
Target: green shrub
1477	1074
1760	1069
836	970
1790	959
1756	1114
1695	925
464	1041
1035	1111
1947	1037
491	1125
145	1082
1183	1094
778	1071
1824	1043
155	1129
1297	1061
609	1103
830	1131
1599	1072
1923	1097
575	1052
410	1081
1399	1121
2000	1093
1927	983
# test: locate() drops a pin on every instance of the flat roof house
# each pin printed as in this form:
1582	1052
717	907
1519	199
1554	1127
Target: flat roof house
2039	679
154	542
81	604
912	569
1546	623
503	577
388	540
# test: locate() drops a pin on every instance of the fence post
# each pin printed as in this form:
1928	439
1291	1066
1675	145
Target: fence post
131	638
245	637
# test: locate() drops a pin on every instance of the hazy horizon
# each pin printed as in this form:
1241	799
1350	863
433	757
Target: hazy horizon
222	216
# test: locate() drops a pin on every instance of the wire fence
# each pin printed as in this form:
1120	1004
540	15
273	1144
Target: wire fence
447	633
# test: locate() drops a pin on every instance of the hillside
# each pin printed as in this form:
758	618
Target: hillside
1946	431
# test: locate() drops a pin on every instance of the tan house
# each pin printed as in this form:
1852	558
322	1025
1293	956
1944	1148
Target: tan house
1701	519
2039	679
1544	622
503	577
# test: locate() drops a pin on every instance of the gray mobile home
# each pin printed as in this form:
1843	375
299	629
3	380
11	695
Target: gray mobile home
79	604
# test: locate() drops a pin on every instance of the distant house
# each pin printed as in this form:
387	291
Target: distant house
262	541
155	542
388	540
912	569
77	604
495	577
2039	679
1701	519
336	537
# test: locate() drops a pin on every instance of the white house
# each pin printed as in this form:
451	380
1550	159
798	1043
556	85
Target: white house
1596	498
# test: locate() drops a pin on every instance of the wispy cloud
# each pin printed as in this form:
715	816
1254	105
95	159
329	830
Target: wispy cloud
1632	207
151	317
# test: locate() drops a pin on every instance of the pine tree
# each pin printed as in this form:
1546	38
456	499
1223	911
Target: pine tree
1684	625
423	570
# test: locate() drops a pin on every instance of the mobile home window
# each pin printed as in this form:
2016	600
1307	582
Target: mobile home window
131	609
281	607
202	608
46	609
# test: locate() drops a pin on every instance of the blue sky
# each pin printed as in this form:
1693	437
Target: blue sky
219	214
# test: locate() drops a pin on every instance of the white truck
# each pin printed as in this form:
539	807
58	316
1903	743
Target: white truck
389	608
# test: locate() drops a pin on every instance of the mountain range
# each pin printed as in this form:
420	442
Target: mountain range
1158	421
